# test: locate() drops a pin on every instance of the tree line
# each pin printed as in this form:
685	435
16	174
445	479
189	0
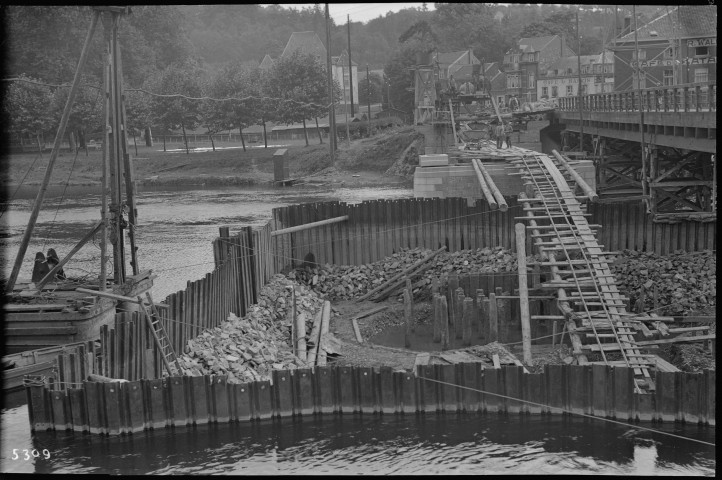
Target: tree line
215	50
181	96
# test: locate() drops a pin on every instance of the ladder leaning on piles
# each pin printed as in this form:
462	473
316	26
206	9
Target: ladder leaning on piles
170	359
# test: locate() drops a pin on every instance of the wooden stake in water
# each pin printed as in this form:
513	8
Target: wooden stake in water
444	323
468	310
408	309
459	312
437	318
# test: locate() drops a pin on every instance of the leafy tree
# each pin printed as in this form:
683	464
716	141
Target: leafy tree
86	114
371	90
300	80
398	80
171	108
27	108
138	113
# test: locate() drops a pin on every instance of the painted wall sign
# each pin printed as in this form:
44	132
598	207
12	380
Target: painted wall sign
670	63
702	42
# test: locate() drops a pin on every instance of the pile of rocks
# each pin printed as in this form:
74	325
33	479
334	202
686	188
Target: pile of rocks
685	282
248	348
349	281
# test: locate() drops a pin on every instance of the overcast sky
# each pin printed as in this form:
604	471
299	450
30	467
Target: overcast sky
359	12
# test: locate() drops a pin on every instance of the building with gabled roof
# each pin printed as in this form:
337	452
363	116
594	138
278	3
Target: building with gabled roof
678	47
266	63
561	78
340	72
306	42
523	64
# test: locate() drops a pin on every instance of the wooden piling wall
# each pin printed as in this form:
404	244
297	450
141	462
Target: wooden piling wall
378	228
120	408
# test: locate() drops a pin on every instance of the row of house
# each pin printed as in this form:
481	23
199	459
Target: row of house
679	47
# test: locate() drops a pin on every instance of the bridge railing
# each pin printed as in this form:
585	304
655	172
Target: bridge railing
693	97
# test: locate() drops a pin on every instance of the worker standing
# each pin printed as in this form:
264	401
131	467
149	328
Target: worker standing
499	132
508	129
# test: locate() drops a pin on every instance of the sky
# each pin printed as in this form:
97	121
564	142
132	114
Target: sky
359	12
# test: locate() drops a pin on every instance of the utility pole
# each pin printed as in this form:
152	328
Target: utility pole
579	96
331	109
368	98
350	70
638	68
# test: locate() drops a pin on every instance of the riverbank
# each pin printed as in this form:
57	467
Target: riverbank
360	163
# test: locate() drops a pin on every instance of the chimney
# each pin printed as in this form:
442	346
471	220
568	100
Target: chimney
561	47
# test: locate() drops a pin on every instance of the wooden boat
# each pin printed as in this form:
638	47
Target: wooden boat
40	362
48	312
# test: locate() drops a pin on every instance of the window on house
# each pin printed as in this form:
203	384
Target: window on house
584	89
545	91
668	77
701	75
555	92
515	58
512	81
532	80
569	71
701	51
570	90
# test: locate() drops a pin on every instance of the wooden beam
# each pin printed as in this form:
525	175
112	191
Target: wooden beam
401	275
523	291
679	199
306	226
494	189
482	183
676	168
588	191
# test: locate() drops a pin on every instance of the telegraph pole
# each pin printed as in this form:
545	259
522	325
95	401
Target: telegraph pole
350	70
579	74
368	98
331	109
638	68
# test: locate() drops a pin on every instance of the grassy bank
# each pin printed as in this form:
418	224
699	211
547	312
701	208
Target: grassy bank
366	159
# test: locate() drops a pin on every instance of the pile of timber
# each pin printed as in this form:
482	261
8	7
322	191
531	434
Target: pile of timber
249	348
363	281
684	282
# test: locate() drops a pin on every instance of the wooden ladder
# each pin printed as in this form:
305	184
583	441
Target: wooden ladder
170	359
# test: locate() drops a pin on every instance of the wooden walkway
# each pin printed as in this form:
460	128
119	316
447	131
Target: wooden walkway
584	284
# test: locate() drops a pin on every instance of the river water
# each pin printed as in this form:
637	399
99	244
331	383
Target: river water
174	235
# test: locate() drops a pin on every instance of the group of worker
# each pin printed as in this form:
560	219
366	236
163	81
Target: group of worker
502	132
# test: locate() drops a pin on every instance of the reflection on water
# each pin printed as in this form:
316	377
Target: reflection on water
388	444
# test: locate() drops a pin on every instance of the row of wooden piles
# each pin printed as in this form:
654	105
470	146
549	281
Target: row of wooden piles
115	408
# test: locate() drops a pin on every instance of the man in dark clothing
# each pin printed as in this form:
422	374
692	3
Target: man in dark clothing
508	129
499	132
